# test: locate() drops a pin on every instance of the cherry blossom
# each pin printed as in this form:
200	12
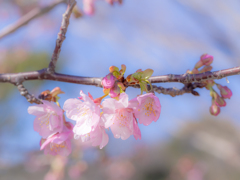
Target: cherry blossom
98	137
85	112
49	118
148	109
59	143
119	116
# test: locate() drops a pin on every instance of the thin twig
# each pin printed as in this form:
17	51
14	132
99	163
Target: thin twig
24	92
61	35
28	17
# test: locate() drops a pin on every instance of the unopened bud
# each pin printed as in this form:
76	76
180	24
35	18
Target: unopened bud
214	109
225	91
206	59
108	81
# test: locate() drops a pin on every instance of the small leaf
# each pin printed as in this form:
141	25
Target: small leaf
147	73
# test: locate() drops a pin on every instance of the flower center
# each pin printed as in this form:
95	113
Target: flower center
57	147
148	109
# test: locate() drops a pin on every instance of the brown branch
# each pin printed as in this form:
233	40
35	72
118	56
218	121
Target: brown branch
28	17
24	92
190	78
188	88
186	79
61	35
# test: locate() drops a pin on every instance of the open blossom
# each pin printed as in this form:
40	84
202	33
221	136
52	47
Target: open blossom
49	118
148	108
85	112
119	116
98	137
59	143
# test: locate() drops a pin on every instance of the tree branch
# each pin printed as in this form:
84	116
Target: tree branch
188	88
28	17
61	35
24	92
186	79
189	78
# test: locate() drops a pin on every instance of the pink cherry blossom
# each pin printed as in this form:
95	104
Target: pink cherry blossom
59	143
108	81
119	116
148	109
88	7
85	112
225	91
49	118
98	137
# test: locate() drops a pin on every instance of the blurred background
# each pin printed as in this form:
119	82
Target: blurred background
186	143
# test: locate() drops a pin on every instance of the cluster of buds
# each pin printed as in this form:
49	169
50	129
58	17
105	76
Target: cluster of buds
113	82
217	100
94	116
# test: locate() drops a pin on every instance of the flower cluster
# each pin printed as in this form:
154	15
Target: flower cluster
94	116
217	100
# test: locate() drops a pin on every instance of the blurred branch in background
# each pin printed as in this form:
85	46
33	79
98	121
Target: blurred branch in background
36	12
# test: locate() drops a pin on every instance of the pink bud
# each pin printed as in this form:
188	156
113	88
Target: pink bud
225	91
206	59
114	92
108	81
214	109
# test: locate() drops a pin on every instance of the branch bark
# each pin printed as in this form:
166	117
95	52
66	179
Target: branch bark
61	36
28	17
186	79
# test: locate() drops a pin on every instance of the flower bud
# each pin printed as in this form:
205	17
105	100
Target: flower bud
214	109
115	91
108	81
205	69
225	91
206	59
